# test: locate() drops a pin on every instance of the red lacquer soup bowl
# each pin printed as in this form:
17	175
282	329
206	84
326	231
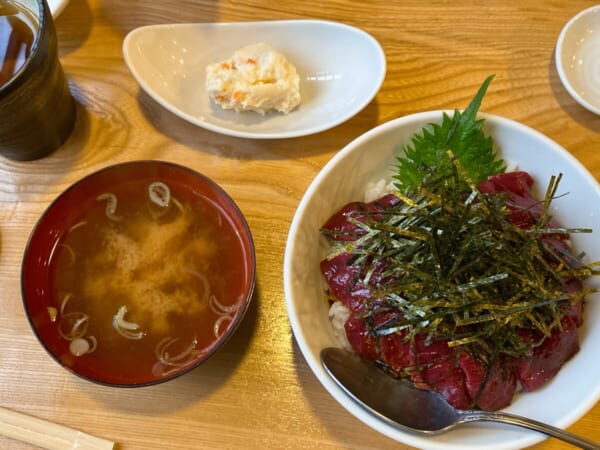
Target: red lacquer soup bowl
138	273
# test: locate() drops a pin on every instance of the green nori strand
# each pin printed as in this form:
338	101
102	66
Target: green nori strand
453	272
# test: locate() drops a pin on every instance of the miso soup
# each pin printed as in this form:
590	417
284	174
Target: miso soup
144	282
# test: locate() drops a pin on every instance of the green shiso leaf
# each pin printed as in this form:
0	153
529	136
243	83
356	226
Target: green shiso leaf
463	135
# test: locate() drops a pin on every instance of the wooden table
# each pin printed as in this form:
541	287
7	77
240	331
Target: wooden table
258	392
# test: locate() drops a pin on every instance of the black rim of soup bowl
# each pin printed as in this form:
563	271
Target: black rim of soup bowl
243	231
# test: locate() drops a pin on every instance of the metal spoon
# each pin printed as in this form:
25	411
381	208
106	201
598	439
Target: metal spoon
401	405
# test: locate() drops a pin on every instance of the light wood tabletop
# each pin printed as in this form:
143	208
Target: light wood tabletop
257	392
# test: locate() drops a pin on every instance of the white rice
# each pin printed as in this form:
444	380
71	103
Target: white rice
338	315
377	189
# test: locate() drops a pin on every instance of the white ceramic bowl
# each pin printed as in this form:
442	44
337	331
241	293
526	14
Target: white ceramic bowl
341	69
578	58
370	157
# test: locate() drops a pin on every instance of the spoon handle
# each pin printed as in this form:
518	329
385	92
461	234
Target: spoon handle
498	416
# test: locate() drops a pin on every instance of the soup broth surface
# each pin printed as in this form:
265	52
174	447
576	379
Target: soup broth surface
17	33
149	287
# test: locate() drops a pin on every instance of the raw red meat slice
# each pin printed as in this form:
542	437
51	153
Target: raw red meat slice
342	229
498	386
342	280
518	182
524	208
360	338
549	356
437	368
576	313
458	376
387	201
395	352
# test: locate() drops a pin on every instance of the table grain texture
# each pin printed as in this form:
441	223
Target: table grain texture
258	392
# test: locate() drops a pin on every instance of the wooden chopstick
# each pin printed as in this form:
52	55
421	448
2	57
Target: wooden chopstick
46	434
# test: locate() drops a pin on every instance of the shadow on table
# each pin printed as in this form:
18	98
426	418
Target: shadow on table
188	388
194	137
349	431
73	26
130	14
577	112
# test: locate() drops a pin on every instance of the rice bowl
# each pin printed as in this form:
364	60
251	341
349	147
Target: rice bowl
370	158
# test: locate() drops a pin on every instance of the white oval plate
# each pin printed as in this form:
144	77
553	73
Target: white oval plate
369	158
56	6
341	69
